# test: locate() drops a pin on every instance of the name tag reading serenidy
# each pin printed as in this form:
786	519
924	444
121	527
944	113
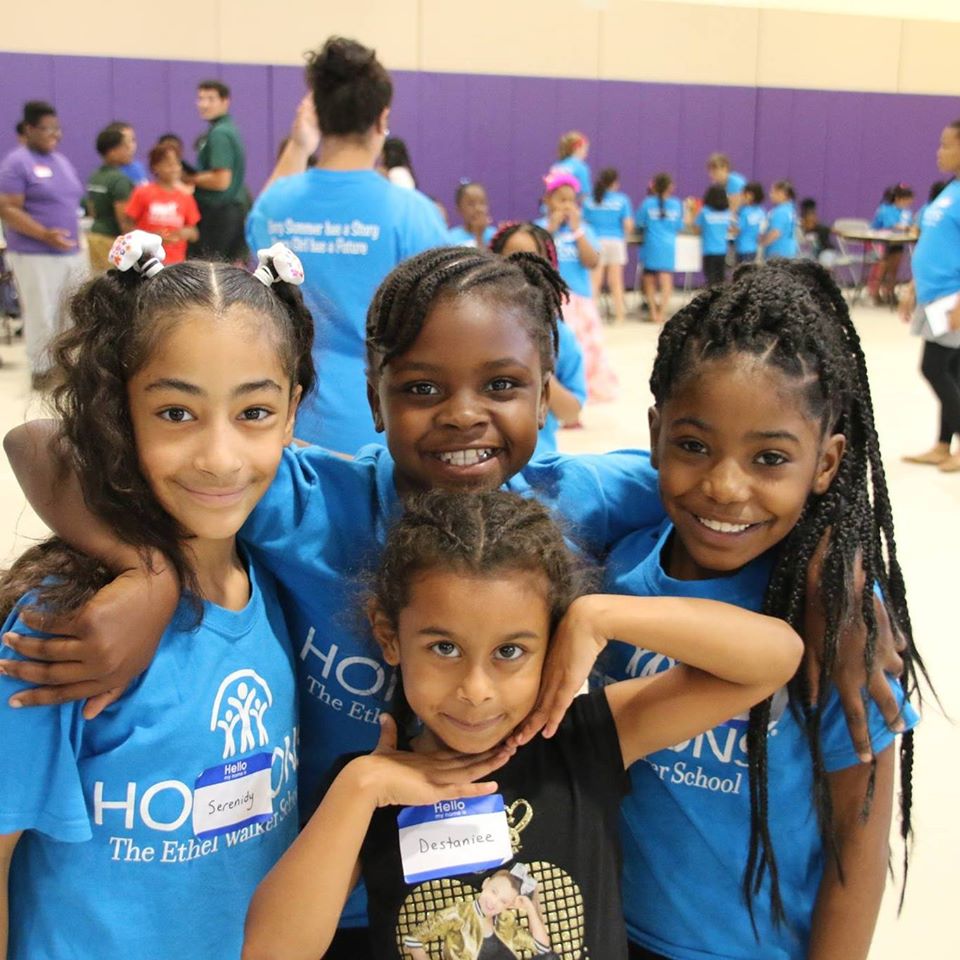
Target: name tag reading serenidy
232	795
453	837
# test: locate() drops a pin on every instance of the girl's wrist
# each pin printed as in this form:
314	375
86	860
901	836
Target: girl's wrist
364	779
578	234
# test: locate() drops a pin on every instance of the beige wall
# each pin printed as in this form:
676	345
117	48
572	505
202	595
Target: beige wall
860	45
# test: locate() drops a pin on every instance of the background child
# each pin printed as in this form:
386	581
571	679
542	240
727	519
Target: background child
474	210
466	598
568	383
107	191
572	150
577	253
397	164
610	213
661	218
896	214
780	233
722	175
179	396
763	434
749	222
713	225
163	208
817	236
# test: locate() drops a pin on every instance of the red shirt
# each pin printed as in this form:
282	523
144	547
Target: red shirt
159	210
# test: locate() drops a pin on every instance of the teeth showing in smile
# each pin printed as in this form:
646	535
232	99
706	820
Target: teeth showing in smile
464	458
719	527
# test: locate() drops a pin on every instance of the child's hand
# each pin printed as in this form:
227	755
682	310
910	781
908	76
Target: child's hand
577	642
574	218
404	778
99	648
305	132
555	220
850	672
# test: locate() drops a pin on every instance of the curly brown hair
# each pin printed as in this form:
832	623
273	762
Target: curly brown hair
118	321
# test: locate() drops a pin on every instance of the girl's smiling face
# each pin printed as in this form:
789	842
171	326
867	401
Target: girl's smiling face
738	454
463	406
470	650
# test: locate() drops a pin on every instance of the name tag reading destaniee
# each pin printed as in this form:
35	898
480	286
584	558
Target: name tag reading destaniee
232	795
453	837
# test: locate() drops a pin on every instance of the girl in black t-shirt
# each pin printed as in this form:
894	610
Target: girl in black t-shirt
471	592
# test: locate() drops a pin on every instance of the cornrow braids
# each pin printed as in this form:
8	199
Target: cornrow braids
791	314
405	298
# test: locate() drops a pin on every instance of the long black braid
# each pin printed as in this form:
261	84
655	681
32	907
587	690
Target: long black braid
792	314
402	302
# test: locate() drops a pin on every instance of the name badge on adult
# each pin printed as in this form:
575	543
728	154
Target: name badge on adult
233	795
453	837
42	172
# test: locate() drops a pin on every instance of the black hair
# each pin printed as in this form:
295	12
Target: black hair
543	239
807	205
755	189
792	314
35	110
606	178
220	88
888	194
20	129
350	87
402	302
118	318
787	187
659	185
109	138
463	187
396	154
902	191
716	197
936	188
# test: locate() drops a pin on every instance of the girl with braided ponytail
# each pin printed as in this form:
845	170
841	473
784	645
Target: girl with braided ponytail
469	592
771	477
143	831
460	348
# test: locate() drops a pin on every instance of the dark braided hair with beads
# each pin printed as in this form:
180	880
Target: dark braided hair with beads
522	281
793	316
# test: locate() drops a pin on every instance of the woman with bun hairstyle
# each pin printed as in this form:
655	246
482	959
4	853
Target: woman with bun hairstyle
348	224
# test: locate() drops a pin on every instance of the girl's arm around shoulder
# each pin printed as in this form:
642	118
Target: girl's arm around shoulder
729	659
846	911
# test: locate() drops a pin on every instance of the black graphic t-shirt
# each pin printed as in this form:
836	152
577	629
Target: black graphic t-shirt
559	896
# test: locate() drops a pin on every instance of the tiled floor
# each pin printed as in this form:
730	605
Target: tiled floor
927	508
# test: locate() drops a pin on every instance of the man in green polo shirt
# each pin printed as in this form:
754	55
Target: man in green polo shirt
107	193
220	191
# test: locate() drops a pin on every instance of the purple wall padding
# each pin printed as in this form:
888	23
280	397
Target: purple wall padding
842	148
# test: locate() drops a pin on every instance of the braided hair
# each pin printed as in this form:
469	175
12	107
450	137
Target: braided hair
543	239
405	298
791	314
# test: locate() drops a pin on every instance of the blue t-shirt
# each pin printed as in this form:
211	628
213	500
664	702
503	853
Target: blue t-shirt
350	228
735	183
461	237
572	373
783	217
889	216
607	217
689	807
576	275
321	527
714	227
660	232
124	852
750	219
936	259
580	169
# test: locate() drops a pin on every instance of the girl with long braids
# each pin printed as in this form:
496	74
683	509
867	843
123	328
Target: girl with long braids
144	831
770	474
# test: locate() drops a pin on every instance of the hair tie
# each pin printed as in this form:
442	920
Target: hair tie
278	263
527	884
139	251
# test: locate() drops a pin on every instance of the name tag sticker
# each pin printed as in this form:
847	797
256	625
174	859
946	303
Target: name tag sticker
453	837
42	172
232	795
